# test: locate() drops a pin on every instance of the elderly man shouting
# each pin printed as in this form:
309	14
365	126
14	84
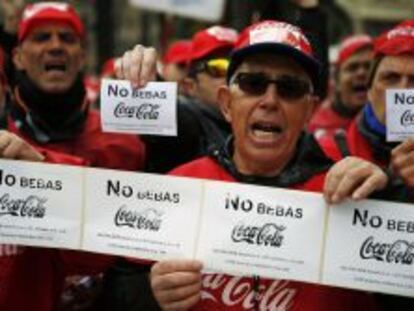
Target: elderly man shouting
268	101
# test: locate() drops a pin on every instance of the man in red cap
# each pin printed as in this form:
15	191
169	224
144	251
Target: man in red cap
351	78
200	124
268	100
175	61
50	111
392	68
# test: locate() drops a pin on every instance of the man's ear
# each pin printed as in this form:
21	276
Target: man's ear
189	86
17	58
224	100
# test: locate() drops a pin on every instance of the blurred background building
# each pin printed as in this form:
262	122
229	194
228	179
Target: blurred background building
116	25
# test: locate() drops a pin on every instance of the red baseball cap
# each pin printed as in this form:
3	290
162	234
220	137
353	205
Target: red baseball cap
43	12
178	52
277	38
209	40
398	40
108	68
351	45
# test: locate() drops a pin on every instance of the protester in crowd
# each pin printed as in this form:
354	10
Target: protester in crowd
174	63
200	123
268	100
393	68
49	111
351	78
50	107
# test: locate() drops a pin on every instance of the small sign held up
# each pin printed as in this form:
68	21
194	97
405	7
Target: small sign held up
400	114
207	10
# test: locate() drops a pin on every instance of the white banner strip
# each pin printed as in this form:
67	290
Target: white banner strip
233	228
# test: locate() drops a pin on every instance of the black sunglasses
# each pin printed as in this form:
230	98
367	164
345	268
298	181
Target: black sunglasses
288	87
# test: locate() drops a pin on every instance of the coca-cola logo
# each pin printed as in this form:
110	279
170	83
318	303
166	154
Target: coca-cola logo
407	118
268	235
31	207
398	252
144	111
148	219
239	292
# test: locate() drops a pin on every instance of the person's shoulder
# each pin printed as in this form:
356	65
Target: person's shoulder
204	167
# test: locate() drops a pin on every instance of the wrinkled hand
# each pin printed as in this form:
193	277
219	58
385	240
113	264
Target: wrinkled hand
353	178
13	147
176	284
138	65
402	161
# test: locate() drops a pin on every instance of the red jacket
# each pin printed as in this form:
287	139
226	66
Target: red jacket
225	292
326	121
31	279
357	145
107	150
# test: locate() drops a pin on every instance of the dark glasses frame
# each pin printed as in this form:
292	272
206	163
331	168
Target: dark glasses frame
288	87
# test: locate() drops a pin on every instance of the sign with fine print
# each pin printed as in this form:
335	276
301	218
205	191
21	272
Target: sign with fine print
40	204
270	232
232	228
399	114
370	246
151	110
141	215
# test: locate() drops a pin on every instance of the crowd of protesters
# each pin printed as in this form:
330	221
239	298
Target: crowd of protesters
249	111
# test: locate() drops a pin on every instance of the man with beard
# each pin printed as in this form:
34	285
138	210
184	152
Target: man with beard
50	111
268	101
351	77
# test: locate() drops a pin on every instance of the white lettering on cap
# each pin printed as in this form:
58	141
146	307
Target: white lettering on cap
223	33
37	7
404	31
275	34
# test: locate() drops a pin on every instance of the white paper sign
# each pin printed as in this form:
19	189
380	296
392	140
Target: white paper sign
370	245
40	204
400	114
151	110
208	10
141	215
269	232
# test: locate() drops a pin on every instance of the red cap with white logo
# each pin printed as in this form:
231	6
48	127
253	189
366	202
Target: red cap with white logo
399	40
212	39
44	12
351	45
277	38
178	52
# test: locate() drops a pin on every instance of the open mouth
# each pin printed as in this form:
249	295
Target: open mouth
265	130
55	67
359	88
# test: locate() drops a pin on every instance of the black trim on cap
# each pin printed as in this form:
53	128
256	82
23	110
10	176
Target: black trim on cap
310	64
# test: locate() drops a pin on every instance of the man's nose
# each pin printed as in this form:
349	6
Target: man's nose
406	82
55	42
271	97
